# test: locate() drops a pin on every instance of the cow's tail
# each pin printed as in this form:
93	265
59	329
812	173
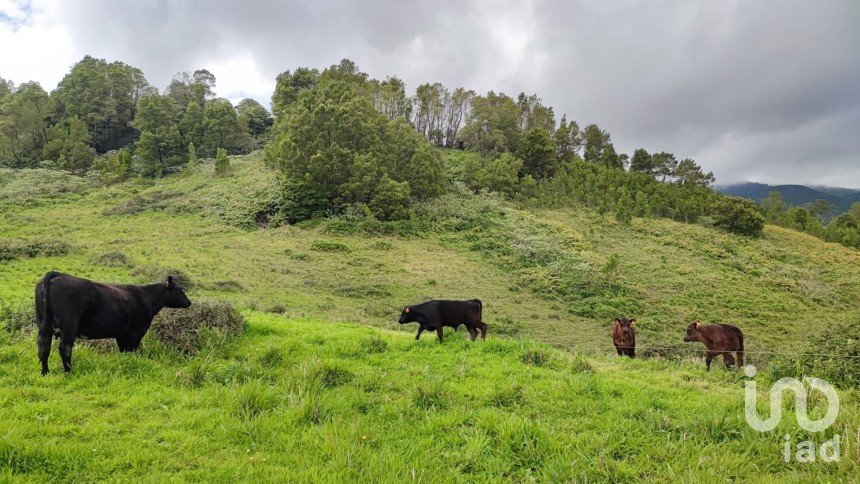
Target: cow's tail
480	304
740	352
48	317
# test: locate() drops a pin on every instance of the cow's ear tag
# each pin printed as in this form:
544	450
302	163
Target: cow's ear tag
406	309
632	322
698	324
617	320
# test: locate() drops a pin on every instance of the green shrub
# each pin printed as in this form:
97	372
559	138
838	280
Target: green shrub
374	344
329	246
842	368
185	330
17	317
738	216
222	162
110	259
536	357
155	201
11	249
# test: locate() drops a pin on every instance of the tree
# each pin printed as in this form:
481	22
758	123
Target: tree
222	128
158	151
114	166
336	149
772	205
595	141
6	88
104	96
533	114
23	125
610	159
689	173
191	126
255	117
568	140
192	157
820	209
222	162
493	125
156	111
186	88
288	85
642	162
500	174
538	153
665	165
739	216
855	211
70	144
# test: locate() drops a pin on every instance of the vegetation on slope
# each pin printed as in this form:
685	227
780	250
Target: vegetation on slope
559	276
306	400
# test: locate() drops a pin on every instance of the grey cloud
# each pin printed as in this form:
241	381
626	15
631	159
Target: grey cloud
766	90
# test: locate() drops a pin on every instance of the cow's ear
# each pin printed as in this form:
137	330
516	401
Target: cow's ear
618	321
169	281
697	323
632	322
406	309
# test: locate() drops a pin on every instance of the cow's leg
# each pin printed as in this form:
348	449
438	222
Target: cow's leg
631	352
67	341
473	333
43	343
420	330
619	350
483	327
728	359
439	332
708	358
133	343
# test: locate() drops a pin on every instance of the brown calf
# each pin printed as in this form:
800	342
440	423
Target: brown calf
624	338
718	339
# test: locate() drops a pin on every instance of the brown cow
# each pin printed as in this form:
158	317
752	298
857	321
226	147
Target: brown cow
718	339
624	337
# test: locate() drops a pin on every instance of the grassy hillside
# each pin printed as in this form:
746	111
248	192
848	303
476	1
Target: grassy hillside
556	276
311	401
310	392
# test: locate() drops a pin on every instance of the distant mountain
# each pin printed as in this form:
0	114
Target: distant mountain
794	194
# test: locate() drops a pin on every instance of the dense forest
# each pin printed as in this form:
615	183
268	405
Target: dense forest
347	143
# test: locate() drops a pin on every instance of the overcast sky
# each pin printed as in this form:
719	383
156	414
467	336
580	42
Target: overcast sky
761	90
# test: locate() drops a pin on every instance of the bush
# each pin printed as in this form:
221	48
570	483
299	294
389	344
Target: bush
11	249
843	369
17	317
222	162
110	259
185	330
738	216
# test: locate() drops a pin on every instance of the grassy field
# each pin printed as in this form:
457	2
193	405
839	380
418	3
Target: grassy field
307	400
310	391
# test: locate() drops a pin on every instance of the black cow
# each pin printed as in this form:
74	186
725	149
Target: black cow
68	307
437	314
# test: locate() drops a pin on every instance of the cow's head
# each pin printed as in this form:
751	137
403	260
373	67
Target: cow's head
406	315
625	324
694	332
174	296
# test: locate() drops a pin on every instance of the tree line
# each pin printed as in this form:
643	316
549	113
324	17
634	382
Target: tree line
106	116
349	143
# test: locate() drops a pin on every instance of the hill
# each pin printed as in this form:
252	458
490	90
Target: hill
311	392
305	400
796	195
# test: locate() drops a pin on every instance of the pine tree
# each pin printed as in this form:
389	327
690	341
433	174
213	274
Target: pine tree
222	162
192	157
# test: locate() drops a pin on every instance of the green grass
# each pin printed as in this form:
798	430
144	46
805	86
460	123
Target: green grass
307	400
311	392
